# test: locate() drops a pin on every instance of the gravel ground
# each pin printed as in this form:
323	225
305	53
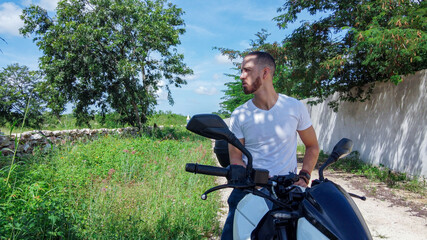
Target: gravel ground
389	213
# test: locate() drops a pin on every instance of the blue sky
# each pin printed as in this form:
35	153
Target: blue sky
220	23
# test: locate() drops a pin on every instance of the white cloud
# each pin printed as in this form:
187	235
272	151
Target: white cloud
26	3
200	30
192	77
161	94
9	18
49	5
222	59
206	90
216	76
251	11
262	16
245	44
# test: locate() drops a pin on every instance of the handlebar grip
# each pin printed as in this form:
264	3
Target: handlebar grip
205	169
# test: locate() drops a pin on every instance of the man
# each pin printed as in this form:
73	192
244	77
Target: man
267	125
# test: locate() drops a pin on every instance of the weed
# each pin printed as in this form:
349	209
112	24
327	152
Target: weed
112	187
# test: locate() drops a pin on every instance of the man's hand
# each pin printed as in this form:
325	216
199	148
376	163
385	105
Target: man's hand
301	183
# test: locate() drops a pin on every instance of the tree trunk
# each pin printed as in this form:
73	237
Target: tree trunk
138	119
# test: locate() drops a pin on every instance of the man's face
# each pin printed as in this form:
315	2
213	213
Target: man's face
251	75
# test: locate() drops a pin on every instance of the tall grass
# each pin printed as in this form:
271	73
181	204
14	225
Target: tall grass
111	188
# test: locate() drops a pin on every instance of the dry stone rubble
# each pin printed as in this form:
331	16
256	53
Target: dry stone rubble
45	139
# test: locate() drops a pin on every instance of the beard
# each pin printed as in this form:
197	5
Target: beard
255	86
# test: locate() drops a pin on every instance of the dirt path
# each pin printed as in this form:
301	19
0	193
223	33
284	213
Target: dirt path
389	213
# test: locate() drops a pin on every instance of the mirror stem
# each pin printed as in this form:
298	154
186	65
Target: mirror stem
235	142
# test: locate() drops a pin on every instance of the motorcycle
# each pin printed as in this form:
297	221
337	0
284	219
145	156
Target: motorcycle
274	208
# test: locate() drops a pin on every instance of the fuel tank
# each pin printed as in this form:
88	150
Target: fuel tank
331	209
249	212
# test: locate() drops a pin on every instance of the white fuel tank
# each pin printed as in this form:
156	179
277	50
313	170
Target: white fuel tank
249	212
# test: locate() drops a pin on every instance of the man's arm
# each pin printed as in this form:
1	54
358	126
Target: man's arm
309	139
235	154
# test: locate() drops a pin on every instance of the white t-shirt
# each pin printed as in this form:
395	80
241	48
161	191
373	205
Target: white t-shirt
271	135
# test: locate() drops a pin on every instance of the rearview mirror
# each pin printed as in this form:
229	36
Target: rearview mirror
212	126
341	149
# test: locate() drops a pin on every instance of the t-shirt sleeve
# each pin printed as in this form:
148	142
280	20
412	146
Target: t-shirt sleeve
235	126
304	119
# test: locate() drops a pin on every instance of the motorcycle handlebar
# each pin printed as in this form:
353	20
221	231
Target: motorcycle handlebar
205	169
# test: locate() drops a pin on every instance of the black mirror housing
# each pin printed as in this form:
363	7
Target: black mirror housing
209	125
343	148
212	126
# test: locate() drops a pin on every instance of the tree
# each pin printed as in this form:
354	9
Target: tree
358	44
19	88
108	54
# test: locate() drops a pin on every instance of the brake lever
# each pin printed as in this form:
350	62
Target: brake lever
204	195
363	198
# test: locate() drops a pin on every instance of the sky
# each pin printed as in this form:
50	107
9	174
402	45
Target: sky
209	24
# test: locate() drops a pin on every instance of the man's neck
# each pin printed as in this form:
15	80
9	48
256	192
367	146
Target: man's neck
265	100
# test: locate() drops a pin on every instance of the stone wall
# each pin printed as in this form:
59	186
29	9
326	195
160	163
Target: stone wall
389	130
45	139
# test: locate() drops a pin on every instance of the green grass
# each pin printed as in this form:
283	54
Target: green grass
68	121
167	119
111	188
353	164
301	149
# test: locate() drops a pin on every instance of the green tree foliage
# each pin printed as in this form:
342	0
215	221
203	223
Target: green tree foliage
358	44
108	54
234	95
19	88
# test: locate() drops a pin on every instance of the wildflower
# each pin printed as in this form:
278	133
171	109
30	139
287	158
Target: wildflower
126	151
133	152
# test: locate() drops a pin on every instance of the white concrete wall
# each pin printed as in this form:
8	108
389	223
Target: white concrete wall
390	129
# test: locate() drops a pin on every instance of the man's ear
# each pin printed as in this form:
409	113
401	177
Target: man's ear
265	72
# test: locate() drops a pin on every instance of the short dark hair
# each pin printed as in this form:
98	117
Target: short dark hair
264	58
